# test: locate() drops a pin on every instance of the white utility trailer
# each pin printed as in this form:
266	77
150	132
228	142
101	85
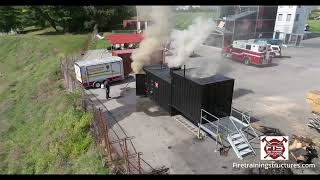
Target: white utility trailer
97	67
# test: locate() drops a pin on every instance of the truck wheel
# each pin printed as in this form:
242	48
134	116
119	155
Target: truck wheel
226	55
247	61
97	84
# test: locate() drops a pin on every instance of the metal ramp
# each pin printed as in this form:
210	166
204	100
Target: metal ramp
230	130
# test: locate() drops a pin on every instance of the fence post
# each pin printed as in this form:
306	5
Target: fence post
139	164
105	135
126	155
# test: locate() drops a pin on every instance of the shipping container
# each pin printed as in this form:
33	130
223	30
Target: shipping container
125	54
191	94
141	85
178	92
158	85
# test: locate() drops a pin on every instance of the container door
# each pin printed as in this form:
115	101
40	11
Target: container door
141	85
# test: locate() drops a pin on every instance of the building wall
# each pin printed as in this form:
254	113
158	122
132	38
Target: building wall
299	25
294	25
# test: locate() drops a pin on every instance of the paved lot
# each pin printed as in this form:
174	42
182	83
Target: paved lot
161	139
275	95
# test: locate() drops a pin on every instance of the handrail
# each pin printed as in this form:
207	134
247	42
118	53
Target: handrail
240	132
246	117
209	114
218	123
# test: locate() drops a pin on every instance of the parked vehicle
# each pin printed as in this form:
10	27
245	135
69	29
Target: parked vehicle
276	45
93	72
270	41
275	50
317	18
248	52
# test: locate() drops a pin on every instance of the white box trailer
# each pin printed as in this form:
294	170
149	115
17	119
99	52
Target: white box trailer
93	72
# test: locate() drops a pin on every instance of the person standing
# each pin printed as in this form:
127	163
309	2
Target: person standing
107	88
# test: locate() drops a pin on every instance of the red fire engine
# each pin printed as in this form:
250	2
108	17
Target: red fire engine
248	52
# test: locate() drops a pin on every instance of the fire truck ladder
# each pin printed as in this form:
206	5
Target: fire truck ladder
229	130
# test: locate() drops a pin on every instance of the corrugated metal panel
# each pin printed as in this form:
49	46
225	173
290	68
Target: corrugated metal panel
159	85
218	99
140	84
159	90
187	97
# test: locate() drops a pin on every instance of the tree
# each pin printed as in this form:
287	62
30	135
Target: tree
106	17
65	18
9	18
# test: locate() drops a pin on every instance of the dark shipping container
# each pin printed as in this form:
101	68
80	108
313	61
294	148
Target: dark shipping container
141	85
158	84
190	95
176	91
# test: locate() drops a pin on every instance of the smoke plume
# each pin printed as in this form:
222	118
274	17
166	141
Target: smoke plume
154	37
185	41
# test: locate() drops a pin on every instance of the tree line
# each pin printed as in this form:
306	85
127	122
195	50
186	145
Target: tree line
64	18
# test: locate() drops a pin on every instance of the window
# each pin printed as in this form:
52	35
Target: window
248	47
288	17
280	17
299	6
297	17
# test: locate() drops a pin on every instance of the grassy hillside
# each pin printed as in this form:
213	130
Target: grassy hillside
40	130
314	25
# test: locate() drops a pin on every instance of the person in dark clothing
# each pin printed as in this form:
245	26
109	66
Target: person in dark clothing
107	87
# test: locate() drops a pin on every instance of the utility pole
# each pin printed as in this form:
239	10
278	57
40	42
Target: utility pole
137	17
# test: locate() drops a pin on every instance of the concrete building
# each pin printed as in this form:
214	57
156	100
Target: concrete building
290	23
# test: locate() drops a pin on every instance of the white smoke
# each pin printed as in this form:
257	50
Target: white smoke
184	42
154	37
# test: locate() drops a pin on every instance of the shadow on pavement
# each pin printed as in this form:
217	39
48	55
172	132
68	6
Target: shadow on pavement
130	103
241	92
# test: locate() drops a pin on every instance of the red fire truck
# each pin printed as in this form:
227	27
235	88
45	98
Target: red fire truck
248	52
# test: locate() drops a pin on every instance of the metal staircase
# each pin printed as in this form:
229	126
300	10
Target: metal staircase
239	142
232	128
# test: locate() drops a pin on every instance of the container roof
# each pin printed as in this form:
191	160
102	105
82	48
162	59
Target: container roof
125	38
163	73
93	57
202	81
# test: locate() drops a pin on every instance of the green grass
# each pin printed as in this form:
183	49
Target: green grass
314	25
41	131
184	19
100	43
